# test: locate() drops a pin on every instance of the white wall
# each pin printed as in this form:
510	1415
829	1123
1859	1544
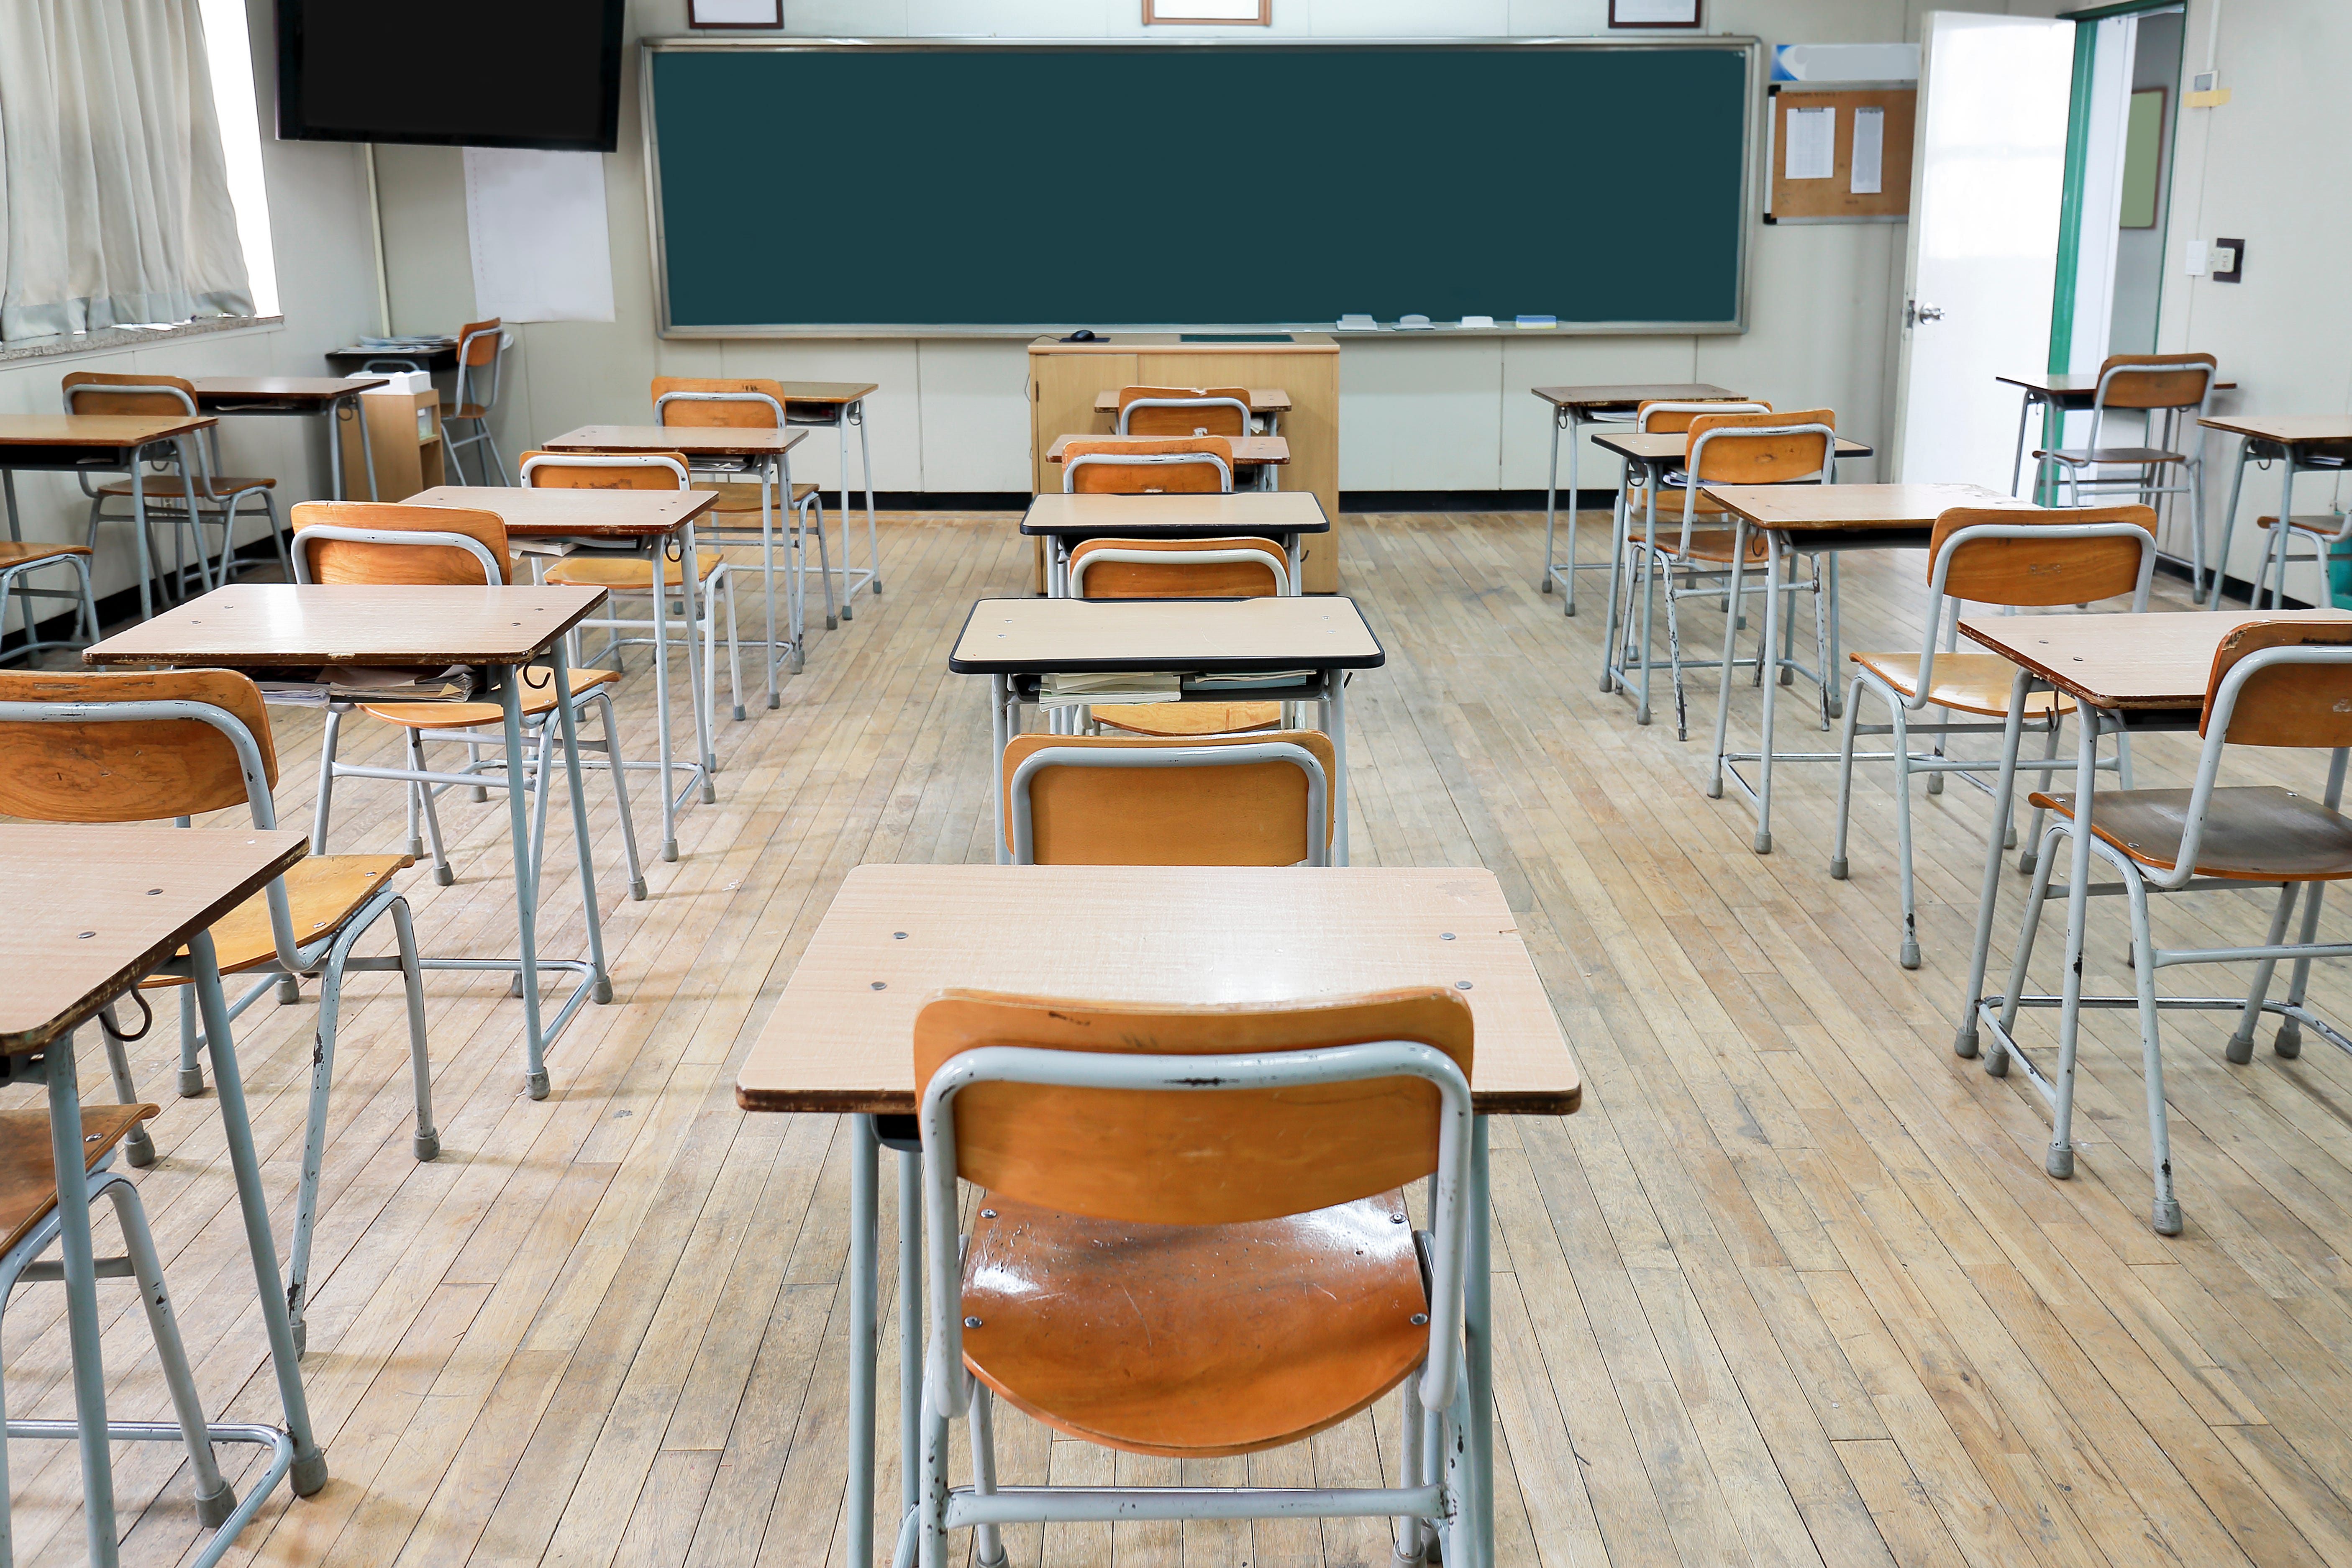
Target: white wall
326	279
1414	415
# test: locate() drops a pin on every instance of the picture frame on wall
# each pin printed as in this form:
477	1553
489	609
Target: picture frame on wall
1209	13
735	13
1648	13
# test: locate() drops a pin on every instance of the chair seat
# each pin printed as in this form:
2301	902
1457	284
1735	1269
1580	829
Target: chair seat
538	697
1176	718
2254	833
2321	522
1968	682
13	553
1670	507
323	892
464	411
2078	457
746	497
626	572
167	487
1187	1340
28	1172
1705	544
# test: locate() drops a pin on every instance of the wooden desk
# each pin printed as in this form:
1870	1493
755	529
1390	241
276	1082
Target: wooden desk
299	397
73	943
2300	443
1066	379
697	441
841	1036
2067	392
1572	409
1264	449
2155	662
1016	642
92	443
1063	521
289	626
1670	446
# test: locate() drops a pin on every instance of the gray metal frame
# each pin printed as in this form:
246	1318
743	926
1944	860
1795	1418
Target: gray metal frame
1944	624
1445	1499
1750	162
1997	1015
844	415
1319	788
2178	420
85	630
482	435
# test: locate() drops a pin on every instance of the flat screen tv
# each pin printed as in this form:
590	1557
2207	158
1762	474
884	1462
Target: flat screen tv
472	73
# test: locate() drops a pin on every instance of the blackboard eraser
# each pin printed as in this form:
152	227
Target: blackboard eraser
1476	323
1539	321
1359	324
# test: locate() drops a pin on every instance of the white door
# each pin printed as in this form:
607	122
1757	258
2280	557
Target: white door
1991	170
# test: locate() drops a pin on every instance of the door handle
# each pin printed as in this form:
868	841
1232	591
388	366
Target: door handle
1915	313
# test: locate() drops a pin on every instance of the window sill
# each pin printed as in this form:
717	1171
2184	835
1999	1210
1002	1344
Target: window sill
116	339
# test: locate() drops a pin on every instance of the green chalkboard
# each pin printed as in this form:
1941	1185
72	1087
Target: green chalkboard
915	189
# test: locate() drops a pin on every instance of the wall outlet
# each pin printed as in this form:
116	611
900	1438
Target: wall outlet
2227	261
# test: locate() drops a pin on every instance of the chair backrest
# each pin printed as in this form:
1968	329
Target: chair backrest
1193	464
605	470
2068	564
478	342
2147	381
139	769
1073	800
1183	411
1175	1157
1179	569
1761	449
2302	698
736	403
1661	416
97	392
326	560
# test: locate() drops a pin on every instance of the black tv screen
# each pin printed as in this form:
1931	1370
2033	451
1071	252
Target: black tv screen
472	73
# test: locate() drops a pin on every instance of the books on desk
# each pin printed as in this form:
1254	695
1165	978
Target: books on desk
1079	689
366	683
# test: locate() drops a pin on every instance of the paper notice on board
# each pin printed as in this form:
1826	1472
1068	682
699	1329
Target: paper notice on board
535	222
1869	150
1812	144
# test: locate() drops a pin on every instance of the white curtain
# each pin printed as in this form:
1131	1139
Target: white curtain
114	201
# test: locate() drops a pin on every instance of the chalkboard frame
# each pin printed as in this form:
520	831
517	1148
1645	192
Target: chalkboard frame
1749	47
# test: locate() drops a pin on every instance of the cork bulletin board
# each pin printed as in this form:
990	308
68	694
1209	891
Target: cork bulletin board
1840	156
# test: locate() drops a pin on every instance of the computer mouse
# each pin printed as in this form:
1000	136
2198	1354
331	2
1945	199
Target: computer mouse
1083	336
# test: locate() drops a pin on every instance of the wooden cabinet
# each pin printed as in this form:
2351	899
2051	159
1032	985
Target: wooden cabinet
404	429
1064	378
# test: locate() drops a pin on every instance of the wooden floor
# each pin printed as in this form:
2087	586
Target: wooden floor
1792	1288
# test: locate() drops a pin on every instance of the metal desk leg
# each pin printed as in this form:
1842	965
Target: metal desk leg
567	725
910	1328
1964	1041
81	1300
1730	654
2025	416
1576	422
864	1284
16	536
1774	565
1478	1340
2282	534
999	737
662	745
526	876
1551	506
1336	681
856	412
309	1471
2059	1161
2229	523
139	528
701	683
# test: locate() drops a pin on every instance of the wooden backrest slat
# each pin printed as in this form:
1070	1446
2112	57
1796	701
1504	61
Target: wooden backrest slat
1149	479
1653	419
126	771
1248	814
624	472
1177	577
728	415
1207	419
1760	459
2157	388
348	561
2036	571
483	349
147	402
2302	705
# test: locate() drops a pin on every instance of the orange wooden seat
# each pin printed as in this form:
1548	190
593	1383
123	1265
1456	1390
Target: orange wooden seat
28	1171
322	892
14	552
538	698
1188	720
1965	682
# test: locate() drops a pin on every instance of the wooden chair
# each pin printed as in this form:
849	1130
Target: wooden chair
480	346
1244	568
2033	560
197	473
2273	684
2173	392
1757	448
631	576
1183	411
1189	1240
78	747
1190	465
1226	800
20	560
390	542
751	403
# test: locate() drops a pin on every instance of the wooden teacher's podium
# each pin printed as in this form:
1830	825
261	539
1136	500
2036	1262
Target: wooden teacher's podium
1064	380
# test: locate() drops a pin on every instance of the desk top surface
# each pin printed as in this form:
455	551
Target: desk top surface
1037	636
134	894
1261	400
553	513
2073	383
1246	448
841	1037
294	625
827	390
2158	659
316	391
1825	507
1178	516
99	432
1631	394
694	440
2287	429
1673	445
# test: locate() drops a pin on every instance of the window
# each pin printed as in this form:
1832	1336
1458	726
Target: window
229	49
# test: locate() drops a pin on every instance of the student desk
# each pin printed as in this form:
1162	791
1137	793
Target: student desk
1269	452
1572	409
136	895
842	404
2302	442
765	457
1063	521
2063	391
2126	672
1655	454
292	625
1814	520
1271	400
297	397
841	1037
1016	642
644	521
92	443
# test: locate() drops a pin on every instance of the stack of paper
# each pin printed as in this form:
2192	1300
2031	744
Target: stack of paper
1069	691
366	683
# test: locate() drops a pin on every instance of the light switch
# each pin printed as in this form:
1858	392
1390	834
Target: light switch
2193	258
